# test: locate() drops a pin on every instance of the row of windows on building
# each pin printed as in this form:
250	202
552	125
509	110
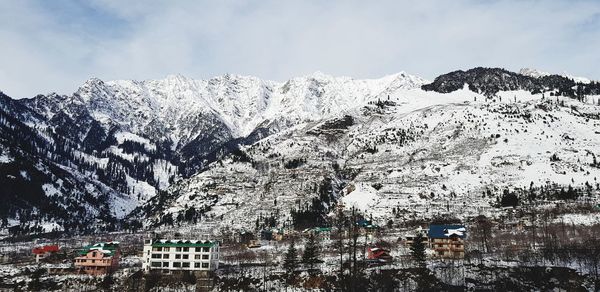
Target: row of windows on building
94	268
181	249
447	245
178	265
92	261
180	256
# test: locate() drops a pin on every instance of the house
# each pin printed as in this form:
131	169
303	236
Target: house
41	252
173	256
266	234
254	244
367	227
447	241
276	234
409	237
245	237
378	255
322	233
99	259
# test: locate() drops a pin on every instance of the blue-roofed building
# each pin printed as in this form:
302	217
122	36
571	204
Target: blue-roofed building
447	240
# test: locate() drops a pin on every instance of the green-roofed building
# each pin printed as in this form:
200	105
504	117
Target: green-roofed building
99	258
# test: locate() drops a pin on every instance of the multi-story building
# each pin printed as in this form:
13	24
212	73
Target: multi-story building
170	256
447	241
98	259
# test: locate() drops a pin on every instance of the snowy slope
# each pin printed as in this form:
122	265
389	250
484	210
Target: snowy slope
429	152
233	149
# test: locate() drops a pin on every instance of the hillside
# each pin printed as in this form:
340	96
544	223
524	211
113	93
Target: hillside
249	152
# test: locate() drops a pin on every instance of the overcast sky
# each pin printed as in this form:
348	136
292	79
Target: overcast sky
56	45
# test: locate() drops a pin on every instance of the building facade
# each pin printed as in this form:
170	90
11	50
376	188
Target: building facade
168	256
447	241
99	259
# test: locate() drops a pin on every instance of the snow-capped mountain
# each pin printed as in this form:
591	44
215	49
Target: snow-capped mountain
135	137
126	153
537	74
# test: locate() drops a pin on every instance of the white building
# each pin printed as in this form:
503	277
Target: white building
180	255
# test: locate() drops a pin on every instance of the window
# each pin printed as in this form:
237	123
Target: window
186	249
205	265
178	249
196	265
94	254
198	249
197	257
157	249
156	256
186	256
165	264
204	256
165	256
176	265
155	264
185	265
177	256
206	249
166	249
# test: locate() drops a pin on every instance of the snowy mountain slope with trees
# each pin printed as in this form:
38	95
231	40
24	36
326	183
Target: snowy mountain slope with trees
418	154
131	139
241	150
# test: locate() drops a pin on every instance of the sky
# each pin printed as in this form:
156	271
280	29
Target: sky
54	46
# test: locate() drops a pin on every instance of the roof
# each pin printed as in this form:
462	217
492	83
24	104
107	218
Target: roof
379	253
44	249
446	230
183	243
107	248
317	229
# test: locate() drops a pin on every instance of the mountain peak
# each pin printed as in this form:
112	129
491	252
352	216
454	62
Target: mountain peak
531	72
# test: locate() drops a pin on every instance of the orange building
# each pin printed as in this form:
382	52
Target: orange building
448	241
99	259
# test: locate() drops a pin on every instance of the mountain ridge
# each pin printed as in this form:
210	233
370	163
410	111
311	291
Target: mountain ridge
140	142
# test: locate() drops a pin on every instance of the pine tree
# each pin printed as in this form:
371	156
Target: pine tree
290	263
311	251
417	249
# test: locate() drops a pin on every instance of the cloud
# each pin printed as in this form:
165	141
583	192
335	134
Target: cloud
56	45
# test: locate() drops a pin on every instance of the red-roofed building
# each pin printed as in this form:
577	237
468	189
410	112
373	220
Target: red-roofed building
380	255
41	252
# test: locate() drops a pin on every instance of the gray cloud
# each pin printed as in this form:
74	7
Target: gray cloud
56	47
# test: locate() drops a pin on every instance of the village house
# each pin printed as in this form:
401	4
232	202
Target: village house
245	237
409	236
447	241
378	255
368	228
276	234
173	256
41	252
322	233
99	259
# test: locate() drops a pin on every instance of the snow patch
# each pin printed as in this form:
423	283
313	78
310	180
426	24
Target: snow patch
363	197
